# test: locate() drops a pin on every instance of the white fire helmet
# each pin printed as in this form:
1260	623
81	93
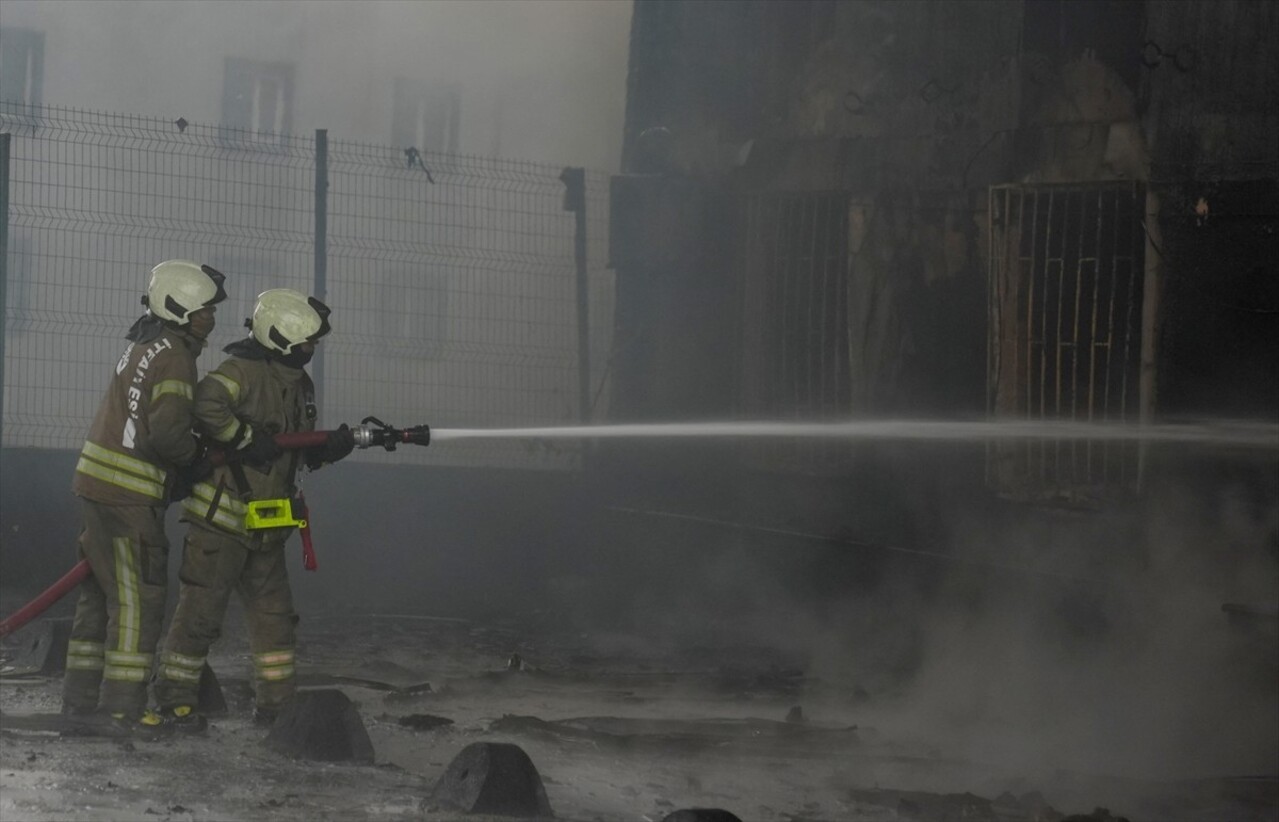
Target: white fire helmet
283	319
179	288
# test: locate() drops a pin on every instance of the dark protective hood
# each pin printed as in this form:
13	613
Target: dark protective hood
250	349
146	328
149	327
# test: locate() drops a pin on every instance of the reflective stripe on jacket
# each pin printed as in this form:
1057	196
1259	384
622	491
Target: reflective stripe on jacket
121	470
229	515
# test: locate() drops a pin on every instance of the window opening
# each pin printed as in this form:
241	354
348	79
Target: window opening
257	97
425	116
21	66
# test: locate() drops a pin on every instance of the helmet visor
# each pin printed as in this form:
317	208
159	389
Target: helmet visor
218	279
324	311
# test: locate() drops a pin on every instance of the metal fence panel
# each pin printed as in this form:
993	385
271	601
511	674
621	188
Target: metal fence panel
451	279
462	275
96	200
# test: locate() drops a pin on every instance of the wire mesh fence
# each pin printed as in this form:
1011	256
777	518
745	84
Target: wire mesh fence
451	278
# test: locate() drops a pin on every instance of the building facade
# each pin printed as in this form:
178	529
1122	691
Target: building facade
1029	210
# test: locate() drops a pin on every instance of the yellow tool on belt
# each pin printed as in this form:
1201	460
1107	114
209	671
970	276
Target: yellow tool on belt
272	513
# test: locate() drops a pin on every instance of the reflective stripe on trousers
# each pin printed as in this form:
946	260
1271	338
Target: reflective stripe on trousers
180	667
274	666
126	664
83	655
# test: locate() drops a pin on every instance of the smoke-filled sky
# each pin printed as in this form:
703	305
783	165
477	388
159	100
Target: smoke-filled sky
537	79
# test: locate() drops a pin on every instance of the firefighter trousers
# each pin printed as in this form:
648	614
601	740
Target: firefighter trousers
121	607
213	564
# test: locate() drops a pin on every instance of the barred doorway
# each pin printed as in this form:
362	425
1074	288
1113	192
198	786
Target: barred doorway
1065	293
795	315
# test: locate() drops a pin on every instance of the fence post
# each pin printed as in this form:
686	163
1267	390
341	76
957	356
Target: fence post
320	286
4	262
574	180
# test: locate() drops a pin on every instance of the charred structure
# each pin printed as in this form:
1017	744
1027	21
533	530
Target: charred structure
1021	210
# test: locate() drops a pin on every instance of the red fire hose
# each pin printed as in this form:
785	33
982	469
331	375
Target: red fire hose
40	604
366	436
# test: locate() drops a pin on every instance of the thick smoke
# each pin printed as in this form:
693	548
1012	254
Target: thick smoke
1033	643
537	81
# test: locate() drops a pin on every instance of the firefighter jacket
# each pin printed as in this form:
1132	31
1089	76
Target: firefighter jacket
142	430
250	390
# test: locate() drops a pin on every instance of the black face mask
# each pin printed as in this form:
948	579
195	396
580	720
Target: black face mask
297	358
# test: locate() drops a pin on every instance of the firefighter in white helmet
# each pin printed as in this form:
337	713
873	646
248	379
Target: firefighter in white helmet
262	389
139	449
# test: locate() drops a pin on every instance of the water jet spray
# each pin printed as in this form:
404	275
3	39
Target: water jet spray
1238	434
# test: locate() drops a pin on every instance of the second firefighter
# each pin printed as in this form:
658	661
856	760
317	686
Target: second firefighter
260	390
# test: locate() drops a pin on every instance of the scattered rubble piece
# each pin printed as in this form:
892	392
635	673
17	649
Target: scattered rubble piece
323	725
701	815
37	650
492	778
210	698
424	722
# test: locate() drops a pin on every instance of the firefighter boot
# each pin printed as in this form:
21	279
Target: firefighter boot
185	720
147	725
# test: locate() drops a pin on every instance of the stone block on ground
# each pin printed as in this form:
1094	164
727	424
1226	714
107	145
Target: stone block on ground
492	778
700	815
41	649
322	725
212	702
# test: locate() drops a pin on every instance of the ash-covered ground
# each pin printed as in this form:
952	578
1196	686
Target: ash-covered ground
620	726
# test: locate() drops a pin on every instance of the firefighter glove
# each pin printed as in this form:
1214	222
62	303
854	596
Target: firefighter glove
261	450
185	478
340	442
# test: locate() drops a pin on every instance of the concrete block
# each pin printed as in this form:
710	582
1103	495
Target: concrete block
492	778
211	700
43	651
700	815
322	725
